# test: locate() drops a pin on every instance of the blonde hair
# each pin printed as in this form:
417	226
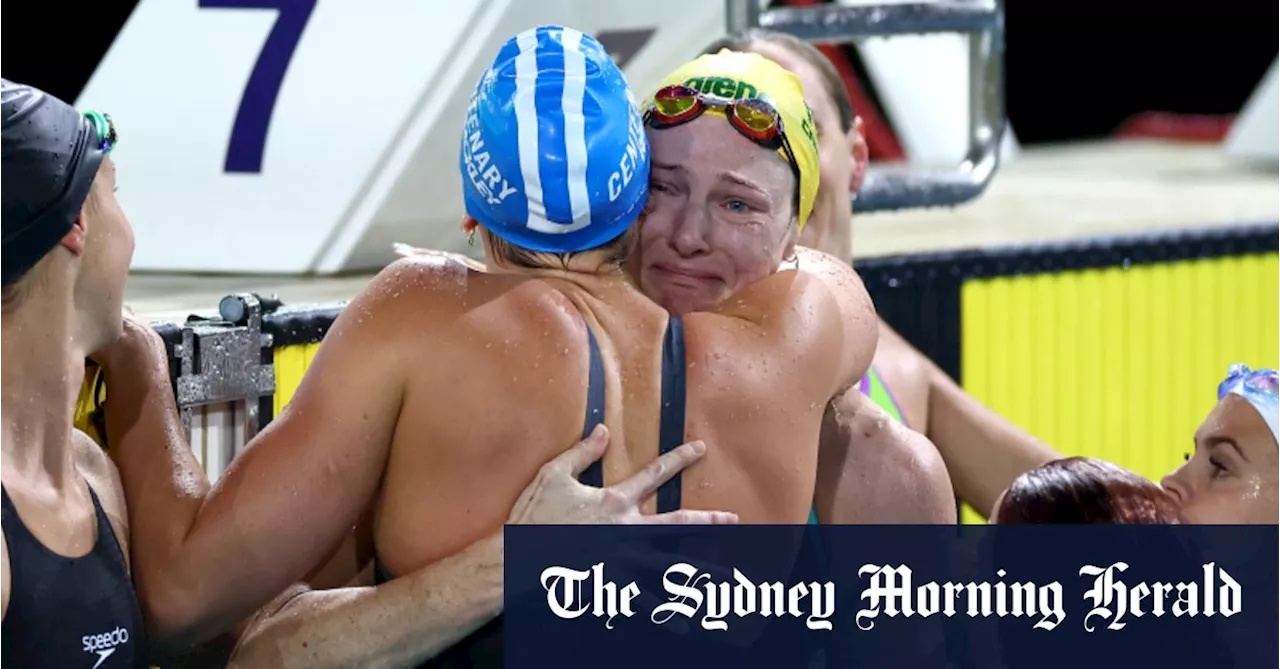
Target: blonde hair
17	293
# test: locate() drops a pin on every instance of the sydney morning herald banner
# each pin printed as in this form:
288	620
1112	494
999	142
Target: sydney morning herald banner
868	596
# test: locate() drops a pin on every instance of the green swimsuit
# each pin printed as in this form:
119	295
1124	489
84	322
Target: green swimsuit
872	386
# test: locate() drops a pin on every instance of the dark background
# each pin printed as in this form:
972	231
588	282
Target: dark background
1081	67
1075	68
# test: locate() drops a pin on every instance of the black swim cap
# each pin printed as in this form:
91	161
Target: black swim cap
51	155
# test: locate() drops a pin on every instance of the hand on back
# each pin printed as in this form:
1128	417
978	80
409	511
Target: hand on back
557	498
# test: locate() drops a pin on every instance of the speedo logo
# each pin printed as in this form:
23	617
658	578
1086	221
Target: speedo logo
105	644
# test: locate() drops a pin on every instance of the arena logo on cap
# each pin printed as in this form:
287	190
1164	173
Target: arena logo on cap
723	87
734	89
486	178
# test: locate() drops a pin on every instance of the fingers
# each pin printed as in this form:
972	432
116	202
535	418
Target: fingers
660	471
575	460
691	517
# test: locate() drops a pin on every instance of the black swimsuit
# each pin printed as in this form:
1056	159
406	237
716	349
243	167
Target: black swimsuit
70	612
483	648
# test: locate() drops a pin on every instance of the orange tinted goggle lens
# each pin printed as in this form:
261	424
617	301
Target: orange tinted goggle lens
675	105
757	117
675	101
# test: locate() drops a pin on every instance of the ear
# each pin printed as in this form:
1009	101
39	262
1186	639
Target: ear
861	155
73	241
469	224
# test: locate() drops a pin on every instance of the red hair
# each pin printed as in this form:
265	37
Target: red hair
1080	490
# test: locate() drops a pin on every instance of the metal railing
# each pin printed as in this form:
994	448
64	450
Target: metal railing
222	375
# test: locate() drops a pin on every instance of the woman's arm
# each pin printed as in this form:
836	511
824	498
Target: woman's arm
205	558
408	620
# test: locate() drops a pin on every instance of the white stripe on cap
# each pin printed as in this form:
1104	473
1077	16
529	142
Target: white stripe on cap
575	129
527	123
575	138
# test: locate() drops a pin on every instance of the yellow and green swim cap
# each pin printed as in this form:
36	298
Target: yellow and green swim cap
735	75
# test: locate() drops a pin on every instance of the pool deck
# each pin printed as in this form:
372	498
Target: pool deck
1044	194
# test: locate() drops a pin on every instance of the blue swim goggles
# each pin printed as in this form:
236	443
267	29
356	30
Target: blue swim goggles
1260	387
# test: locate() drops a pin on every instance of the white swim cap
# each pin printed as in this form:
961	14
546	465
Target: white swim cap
1259	388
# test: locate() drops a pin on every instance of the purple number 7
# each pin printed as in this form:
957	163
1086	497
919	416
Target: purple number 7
249	133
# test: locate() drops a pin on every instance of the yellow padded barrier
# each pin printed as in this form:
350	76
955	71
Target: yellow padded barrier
1120	364
291	363
87	404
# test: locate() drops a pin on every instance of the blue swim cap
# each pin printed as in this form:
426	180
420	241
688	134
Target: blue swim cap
554	154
